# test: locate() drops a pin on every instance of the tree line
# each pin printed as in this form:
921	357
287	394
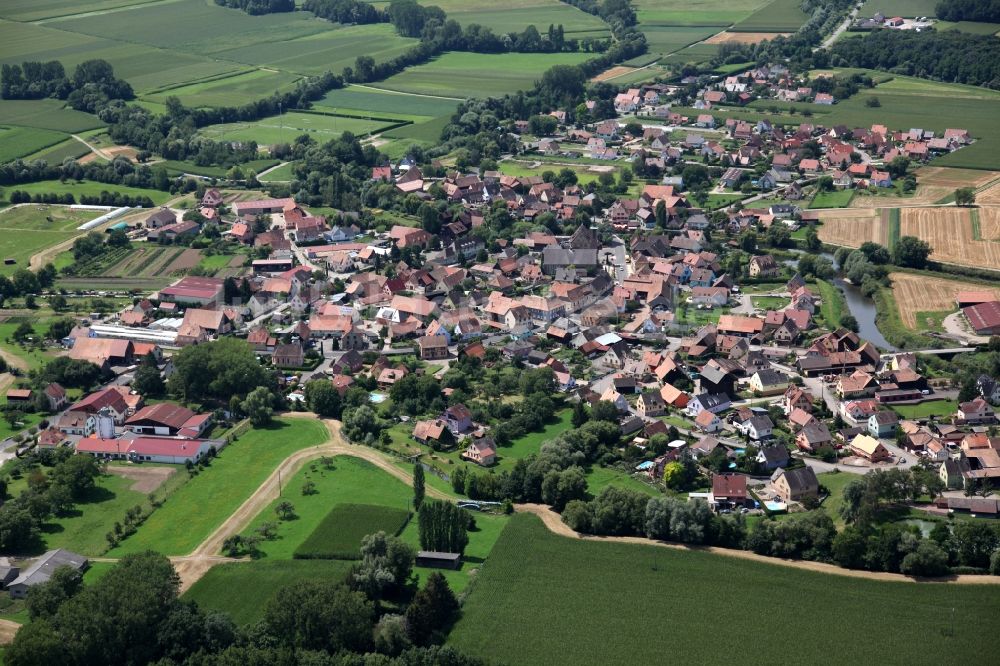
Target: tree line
374	614
92	85
258	7
982	11
105	198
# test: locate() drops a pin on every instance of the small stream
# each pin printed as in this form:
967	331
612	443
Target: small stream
860	306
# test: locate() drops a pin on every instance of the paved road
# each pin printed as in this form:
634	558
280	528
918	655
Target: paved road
828	42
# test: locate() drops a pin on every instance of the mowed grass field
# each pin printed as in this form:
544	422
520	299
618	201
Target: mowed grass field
37	10
461	75
286	127
235	90
549	599
667	39
31	228
356	98
243	589
190	513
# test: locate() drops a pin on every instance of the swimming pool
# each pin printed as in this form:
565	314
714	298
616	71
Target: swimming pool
377	397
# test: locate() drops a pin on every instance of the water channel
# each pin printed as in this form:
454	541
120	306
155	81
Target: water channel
861	307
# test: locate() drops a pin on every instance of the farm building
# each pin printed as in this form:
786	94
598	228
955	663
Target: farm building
436	560
193	290
149	449
42	570
984	317
168	419
263	207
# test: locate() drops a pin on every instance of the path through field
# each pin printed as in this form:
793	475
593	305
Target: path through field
554	523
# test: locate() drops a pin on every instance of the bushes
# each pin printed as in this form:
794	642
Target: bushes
340	533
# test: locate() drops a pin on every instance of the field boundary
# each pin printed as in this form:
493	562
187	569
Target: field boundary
553	522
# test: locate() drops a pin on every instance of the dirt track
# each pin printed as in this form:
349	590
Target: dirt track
193	566
144	479
554	523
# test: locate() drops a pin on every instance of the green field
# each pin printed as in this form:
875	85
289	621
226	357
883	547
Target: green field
516	15
696	12
70	148
18	142
970	27
599	478
778	16
88	521
835	199
87	187
328	50
286	127
904	8
667	39
45	114
461	75
338	536
243	589
538	586
939	408
200	505
351	480
28	229
387	103
133	57
36	10
282	173
175	167
234	90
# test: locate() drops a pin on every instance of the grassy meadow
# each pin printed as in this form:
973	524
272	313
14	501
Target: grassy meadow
28	229
242	589
537	585
200	504
88	188
286	127
777	16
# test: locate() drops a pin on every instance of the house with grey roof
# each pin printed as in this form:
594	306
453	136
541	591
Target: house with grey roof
43	568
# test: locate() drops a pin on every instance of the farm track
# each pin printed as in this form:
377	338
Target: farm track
554	523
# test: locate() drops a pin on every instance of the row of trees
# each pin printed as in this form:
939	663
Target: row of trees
142	620
92	84
984	11
258	7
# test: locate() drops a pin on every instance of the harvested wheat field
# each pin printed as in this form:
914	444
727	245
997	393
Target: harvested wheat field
187	260
613	73
920	293
851	227
989	194
989	223
949	232
743	37
933	185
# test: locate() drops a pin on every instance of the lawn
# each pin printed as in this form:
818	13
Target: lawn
835	482
461	75
286	127
835	199
339	535
199	506
537	586
923	410
770	302
833	305
88	188
599	478
83	530
352	480
26	230
507	456
282	174
243	589
32	357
